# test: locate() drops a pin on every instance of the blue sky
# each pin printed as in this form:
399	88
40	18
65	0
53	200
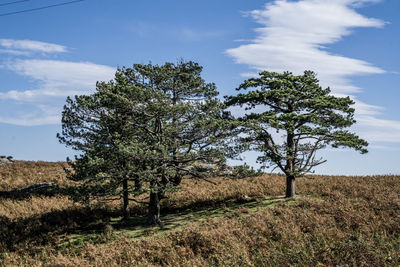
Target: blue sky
49	54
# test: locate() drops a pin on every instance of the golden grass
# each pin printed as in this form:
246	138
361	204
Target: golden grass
21	209
337	221
23	173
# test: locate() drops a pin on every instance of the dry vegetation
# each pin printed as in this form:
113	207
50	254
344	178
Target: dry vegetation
336	221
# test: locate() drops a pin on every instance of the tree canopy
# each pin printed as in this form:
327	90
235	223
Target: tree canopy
298	118
141	132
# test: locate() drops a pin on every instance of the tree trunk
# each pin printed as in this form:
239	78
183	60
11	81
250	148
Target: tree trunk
138	185
125	210
290	165
153	215
290	189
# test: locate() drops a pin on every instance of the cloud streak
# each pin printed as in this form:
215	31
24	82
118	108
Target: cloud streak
293	37
23	47
55	80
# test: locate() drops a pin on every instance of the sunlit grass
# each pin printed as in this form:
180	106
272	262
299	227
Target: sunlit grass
334	221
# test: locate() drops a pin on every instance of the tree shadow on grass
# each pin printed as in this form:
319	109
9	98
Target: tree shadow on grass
44	229
22	193
176	218
81	223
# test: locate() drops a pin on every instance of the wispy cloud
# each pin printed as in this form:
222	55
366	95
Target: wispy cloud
14	52
20	47
52	81
292	37
39	115
57	78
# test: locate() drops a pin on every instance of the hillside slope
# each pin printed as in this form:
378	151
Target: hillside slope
335	221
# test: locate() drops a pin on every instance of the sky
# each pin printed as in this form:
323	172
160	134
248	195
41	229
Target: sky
49	54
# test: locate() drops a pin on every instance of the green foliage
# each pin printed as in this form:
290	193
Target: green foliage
146	126
308	117
245	171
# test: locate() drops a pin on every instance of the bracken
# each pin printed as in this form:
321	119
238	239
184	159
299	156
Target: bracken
336	221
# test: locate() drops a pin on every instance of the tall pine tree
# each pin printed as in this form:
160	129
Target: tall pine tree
298	118
142	131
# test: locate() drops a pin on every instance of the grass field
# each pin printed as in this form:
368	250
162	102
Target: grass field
334	221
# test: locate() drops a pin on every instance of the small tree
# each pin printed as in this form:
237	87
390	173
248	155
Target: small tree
143	130
307	115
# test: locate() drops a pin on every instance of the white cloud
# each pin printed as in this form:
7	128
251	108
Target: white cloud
292	37
27	46
15	52
57	78
55	81
43	116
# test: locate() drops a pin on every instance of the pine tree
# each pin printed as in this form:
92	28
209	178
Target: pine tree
308	117
142	131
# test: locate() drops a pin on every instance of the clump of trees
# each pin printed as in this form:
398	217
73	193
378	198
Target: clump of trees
143	131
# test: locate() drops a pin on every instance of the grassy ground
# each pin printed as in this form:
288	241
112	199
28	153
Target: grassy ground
335	221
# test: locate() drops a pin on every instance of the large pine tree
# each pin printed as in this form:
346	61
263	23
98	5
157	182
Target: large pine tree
142	131
298	117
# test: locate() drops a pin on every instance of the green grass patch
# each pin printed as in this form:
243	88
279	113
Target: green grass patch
173	221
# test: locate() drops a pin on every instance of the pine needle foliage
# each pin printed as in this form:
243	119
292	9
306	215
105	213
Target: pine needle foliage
141	132
297	108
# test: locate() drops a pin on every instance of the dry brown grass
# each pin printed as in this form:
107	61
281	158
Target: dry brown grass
198	192
22	209
24	173
338	221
